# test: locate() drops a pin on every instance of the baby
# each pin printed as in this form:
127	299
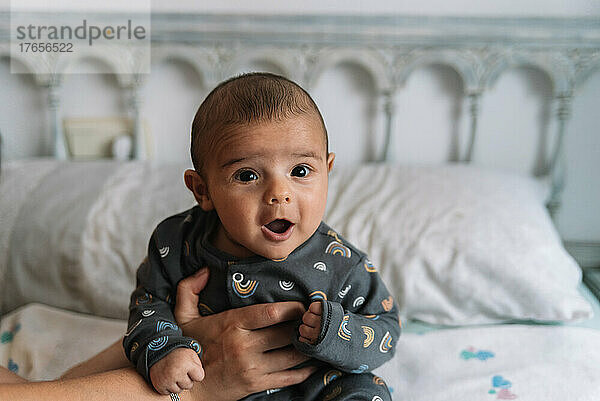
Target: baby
260	153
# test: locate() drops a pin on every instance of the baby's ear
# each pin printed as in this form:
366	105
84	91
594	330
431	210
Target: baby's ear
197	185
330	159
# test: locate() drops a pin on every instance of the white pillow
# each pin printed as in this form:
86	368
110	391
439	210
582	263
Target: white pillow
82	231
458	244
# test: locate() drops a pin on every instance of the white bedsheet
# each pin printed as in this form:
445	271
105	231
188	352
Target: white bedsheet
541	363
497	362
40	342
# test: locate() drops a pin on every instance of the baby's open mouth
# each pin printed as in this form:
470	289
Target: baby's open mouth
279	226
278	230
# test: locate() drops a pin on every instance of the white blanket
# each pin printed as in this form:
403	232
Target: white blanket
541	363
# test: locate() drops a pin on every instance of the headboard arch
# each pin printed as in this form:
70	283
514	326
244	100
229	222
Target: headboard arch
555	66
27	65
116	61
464	65
370	60
198	60
284	61
586	68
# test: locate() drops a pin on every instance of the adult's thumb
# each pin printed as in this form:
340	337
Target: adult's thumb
186	306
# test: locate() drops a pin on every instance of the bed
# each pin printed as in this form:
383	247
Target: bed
492	305
434	259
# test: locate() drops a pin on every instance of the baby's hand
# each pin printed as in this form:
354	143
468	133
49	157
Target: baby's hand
177	371
311	323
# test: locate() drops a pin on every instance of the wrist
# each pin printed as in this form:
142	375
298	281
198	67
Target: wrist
191	329
202	392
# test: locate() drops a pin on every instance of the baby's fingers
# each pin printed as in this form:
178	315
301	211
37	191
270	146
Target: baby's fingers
311	320
173	388
316	308
185	383
308	333
196	373
164	386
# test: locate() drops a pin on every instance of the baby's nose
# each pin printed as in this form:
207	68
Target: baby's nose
278	198
279	194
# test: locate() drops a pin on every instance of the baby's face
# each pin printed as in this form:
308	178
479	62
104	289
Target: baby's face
268	184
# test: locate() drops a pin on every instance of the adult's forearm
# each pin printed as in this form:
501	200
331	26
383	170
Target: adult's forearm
122	384
111	358
6	376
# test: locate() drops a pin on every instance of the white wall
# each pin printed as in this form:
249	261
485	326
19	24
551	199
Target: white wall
431	112
580	215
422	7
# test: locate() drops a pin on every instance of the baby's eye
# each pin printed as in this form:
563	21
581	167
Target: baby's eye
300	171
246	176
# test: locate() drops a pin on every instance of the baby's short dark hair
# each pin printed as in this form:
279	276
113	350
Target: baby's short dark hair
245	99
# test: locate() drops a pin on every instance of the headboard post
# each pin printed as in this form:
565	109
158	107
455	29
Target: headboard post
387	154
474	113
558	165
135	101
58	141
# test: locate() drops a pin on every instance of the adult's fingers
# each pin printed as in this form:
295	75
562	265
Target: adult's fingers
287	377
263	315
281	359
186	307
270	338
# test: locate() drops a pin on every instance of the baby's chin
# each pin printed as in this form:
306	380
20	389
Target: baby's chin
275	254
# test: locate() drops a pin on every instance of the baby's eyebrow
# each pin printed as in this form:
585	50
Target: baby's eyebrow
296	154
308	154
233	161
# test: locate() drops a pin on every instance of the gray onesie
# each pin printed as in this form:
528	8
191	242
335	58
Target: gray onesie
360	324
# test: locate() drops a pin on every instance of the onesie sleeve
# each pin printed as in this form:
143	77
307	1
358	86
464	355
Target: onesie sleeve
152	331
360	327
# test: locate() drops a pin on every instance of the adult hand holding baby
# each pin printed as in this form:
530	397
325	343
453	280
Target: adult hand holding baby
245	350
249	346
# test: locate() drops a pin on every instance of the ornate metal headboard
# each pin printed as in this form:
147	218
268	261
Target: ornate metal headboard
389	47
